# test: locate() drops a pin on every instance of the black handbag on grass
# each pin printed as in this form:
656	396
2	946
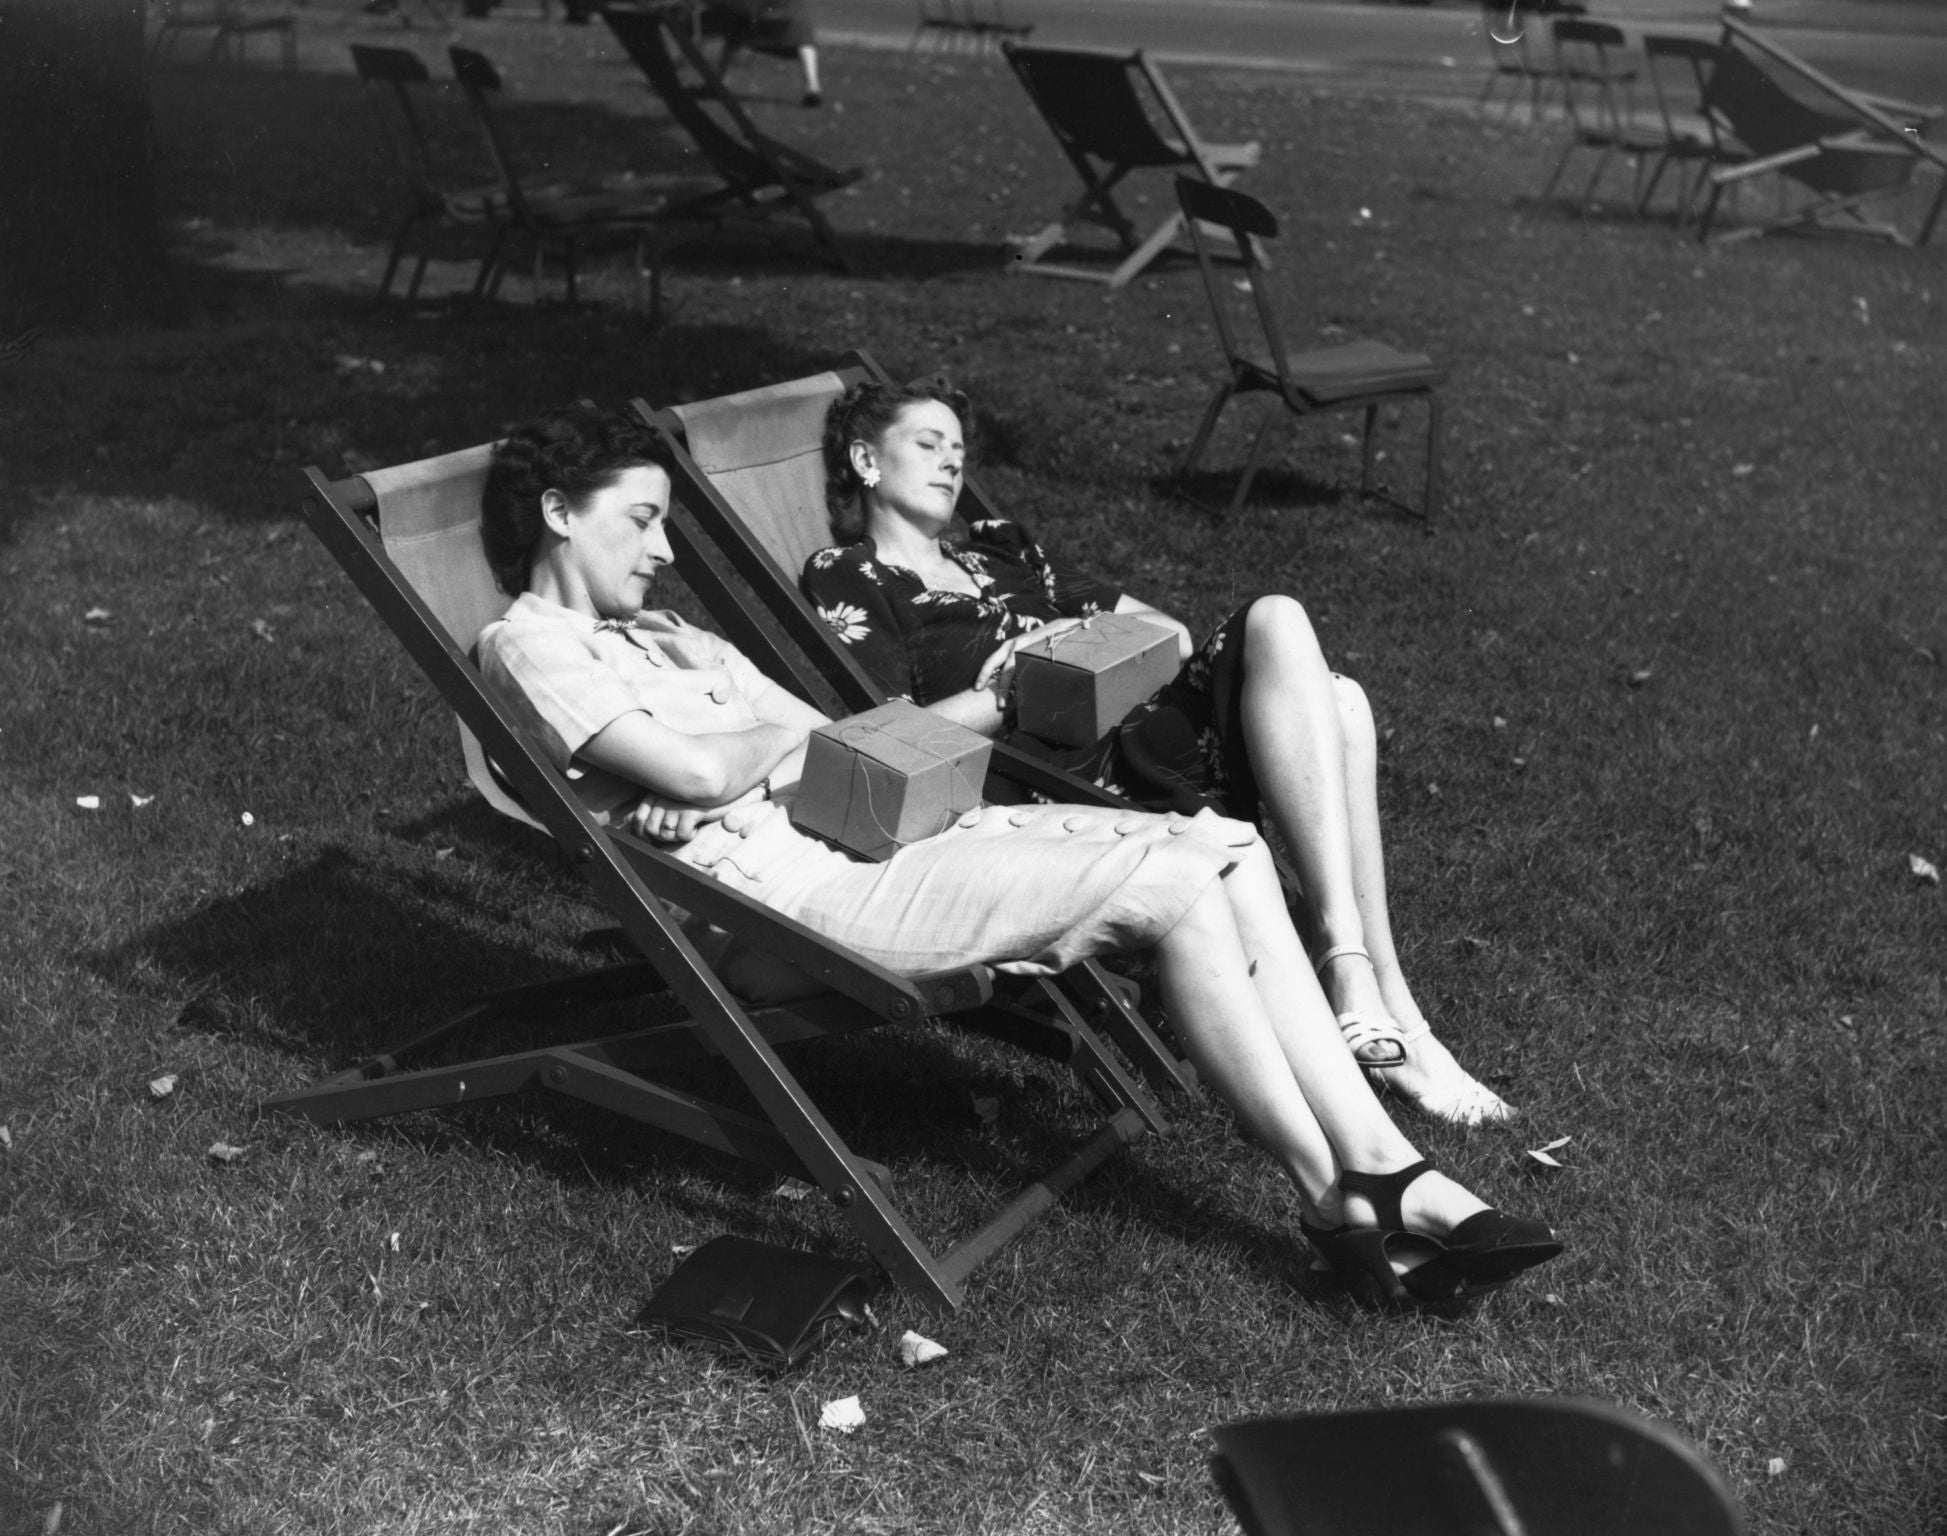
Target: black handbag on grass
775	1304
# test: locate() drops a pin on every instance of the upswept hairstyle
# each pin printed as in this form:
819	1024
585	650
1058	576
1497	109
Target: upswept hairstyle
577	451
861	415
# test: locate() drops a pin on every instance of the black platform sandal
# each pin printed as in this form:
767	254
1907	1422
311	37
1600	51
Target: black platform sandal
1486	1250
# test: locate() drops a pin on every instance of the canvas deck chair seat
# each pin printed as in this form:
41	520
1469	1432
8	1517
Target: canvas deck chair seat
1104	109
1506	1467
750	509
1846	153
408	537
758	179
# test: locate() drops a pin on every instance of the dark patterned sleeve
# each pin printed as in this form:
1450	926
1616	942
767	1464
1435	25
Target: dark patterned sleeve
843	585
1075	593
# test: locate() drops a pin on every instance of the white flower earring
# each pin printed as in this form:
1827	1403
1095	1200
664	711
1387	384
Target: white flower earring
869	476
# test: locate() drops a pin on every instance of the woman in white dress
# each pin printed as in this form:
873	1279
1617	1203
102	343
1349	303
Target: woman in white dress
678	736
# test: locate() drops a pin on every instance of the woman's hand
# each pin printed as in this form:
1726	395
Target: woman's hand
996	673
663	820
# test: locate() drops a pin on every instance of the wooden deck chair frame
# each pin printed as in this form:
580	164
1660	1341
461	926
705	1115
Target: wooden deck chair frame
638	884
742	562
1879	141
1498	1467
762	178
1357	375
561	220
1093	101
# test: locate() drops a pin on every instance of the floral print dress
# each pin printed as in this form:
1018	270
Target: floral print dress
1181	750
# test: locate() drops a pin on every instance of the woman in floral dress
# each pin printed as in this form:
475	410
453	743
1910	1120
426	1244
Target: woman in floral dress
1254	725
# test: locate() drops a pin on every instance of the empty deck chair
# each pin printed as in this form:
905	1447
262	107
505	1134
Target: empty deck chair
1846	153
1533	1467
750	509
760	179
1352	376
408	537
1104	110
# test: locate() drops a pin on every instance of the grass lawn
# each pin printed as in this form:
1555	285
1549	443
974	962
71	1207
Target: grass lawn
1662	715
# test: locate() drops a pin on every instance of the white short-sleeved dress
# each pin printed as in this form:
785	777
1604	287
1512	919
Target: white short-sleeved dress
1031	889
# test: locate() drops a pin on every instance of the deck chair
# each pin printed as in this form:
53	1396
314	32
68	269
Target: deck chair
1353	376
401	91
1845	151
558	220
424	573
761	180
1679	70
1598	94
1513	1467
750	509
1103	108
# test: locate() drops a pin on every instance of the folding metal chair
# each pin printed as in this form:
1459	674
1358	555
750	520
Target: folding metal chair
1598	93
1846	151
1679	70
1513	63
1533	1467
231	25
557	220
1103	108
401	90
750	509
1352	376
759	178
408	537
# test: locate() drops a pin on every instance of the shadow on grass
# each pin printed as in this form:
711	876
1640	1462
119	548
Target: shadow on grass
342	958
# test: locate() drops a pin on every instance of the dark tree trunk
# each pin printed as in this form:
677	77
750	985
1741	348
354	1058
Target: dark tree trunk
80	240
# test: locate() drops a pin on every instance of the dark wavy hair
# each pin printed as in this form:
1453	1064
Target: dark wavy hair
578	450
861	415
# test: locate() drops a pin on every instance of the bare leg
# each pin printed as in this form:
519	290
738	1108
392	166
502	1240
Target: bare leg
1430	1076
1316	755
1242	993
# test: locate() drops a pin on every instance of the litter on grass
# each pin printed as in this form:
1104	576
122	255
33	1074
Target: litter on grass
1922	869
916	1349
88	802
842	1414
1546	1155
793	1189
161	1087
138	801
223	1152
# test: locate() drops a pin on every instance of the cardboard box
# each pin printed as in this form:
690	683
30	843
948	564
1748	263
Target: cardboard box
1075	687
891	776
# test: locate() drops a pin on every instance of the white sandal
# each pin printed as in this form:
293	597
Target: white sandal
1360	1027
1472	1103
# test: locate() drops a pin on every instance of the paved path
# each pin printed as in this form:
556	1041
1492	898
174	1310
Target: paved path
1436	51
